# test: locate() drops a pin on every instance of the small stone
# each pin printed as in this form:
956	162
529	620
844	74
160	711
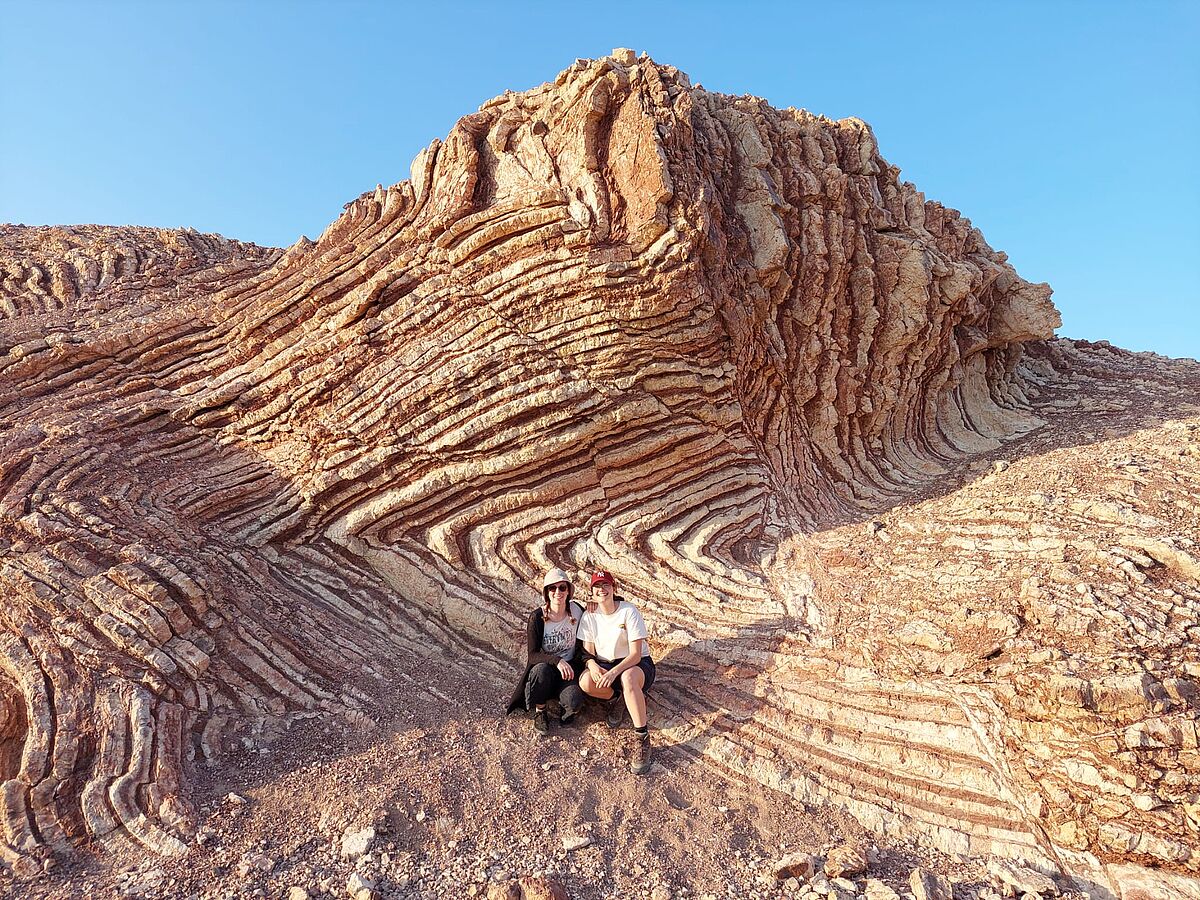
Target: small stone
573	842
357	843
360	887
794	865
144	883
298	893
846	860
235	799
254	862
874	889
530	887
1021	878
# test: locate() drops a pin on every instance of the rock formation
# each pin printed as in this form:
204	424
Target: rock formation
901	549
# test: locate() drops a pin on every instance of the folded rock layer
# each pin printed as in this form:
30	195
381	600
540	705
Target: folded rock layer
615	321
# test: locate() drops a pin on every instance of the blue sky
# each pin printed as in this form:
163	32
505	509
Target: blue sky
1066	131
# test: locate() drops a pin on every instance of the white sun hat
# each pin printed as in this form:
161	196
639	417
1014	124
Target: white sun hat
557	576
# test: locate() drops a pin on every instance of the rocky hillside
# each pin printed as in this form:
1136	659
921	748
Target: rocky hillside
902	552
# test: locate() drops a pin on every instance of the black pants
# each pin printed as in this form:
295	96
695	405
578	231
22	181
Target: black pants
545	681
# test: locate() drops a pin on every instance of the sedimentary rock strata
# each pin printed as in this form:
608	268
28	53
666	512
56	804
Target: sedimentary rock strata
718	348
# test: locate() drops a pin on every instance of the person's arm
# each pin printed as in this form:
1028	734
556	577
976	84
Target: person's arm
566	667
589	660
533	641
585	640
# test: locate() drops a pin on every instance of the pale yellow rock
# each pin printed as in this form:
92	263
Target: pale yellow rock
926	885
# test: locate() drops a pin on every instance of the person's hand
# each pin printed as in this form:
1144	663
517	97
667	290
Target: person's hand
607	679
591	606
565	670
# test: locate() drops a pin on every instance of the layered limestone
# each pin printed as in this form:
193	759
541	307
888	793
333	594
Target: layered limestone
616	321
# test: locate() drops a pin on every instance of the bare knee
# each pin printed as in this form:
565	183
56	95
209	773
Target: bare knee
633	679
590	687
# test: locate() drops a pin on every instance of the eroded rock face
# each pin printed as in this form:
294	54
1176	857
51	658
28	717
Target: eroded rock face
615	321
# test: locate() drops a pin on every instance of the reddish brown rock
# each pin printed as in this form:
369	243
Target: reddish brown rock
540	887
615	321
795	865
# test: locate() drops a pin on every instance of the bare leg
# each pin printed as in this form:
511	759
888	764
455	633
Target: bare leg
635	701
594	690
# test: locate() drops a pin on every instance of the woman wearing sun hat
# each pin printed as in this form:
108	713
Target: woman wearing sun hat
552	661
617	664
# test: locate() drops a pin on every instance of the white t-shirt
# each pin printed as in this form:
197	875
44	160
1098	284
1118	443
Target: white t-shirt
559	637
612	634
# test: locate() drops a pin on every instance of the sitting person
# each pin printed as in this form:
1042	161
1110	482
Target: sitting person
617	663
551	655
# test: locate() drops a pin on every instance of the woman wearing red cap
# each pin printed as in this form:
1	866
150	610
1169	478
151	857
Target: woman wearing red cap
552	660
617	662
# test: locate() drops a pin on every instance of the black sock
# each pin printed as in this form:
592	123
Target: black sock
643	730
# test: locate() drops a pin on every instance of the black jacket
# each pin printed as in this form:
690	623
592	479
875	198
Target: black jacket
534	655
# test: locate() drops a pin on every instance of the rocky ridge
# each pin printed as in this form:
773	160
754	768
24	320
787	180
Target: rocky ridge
902	551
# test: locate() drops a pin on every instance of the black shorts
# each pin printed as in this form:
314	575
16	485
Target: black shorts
646	664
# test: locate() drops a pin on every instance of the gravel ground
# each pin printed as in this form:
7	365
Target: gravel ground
462	798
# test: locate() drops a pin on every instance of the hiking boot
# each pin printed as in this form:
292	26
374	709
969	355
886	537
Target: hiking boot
639	761
616	711
541	723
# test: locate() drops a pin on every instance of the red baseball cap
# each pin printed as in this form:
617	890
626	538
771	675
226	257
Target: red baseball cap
602	577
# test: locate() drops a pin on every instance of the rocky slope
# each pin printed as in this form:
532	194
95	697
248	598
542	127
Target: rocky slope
901	550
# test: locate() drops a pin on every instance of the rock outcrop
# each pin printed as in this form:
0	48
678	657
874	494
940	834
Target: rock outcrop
900	549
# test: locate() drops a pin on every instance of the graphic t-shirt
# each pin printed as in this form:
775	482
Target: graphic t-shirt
612	634
559	637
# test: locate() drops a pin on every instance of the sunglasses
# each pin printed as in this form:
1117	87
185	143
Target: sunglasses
554	589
